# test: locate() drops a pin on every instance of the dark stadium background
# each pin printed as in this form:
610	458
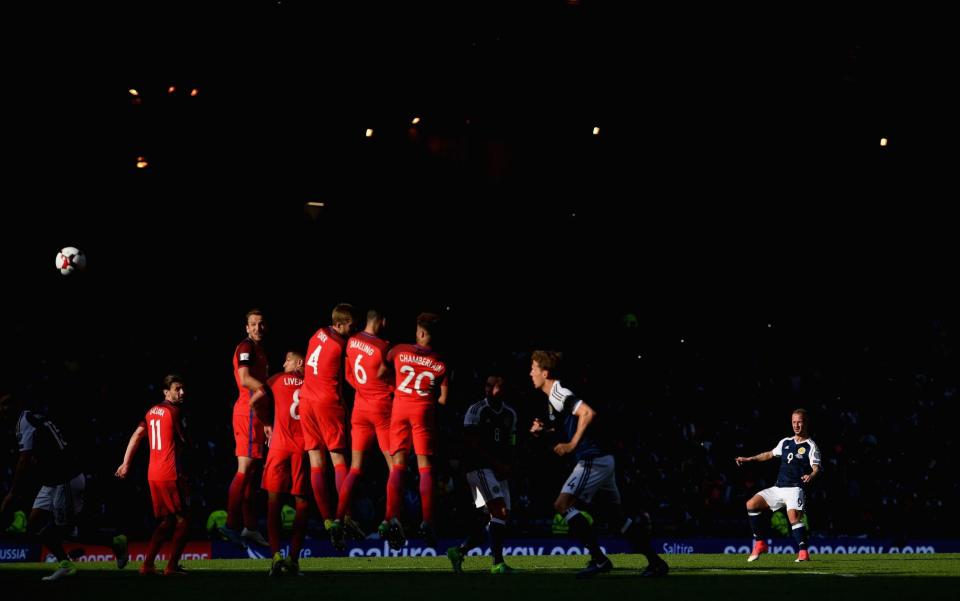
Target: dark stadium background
736	203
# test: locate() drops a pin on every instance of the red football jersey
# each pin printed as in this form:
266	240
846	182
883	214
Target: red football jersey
420	371
166	433
365	355
321	379
252	355
287	435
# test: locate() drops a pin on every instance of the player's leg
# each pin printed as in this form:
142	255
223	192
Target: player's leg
422	426
795	502
300	488
636	528
476	536
361	436
499	512
583	530
339	460
274	509
181	529
278	475
333	434
160	535
317	454
251	532
587	477
477	531
756	507
425	467
274	526
399	448
65	502
40	524
247	451
346	494
299	533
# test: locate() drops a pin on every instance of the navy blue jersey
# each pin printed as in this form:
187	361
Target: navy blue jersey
562	404
495	432
796	459
56	462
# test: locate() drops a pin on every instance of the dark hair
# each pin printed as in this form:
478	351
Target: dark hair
254	311
549	361
429	322
343	314
170	380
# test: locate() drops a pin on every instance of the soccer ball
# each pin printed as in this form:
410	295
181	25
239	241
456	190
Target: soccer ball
71	259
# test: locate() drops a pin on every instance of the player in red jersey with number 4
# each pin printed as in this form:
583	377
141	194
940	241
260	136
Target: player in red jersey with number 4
323	414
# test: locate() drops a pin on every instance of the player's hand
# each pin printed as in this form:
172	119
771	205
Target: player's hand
563	448
806	478
268	432
537	427
122	471
741	460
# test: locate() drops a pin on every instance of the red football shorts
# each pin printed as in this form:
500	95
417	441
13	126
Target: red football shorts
248	434
323	426
365	425
169	497
416	420
286	472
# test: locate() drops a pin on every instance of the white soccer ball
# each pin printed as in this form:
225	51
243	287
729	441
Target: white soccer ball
71	259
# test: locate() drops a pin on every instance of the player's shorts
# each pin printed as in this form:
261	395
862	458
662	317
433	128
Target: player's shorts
365	425
64	501
416	421
776	497
170	497
485	487
323	426
592	475
286	472
248	434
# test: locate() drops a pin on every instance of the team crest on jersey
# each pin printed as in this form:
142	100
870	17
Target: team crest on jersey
801	450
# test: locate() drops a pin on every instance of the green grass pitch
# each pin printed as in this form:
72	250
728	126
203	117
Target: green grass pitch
701	577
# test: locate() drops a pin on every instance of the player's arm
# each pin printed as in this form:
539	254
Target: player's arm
585	415
765	456
444	388
257	388
135	439
539	427
21	475
808	477
384	372
262	405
